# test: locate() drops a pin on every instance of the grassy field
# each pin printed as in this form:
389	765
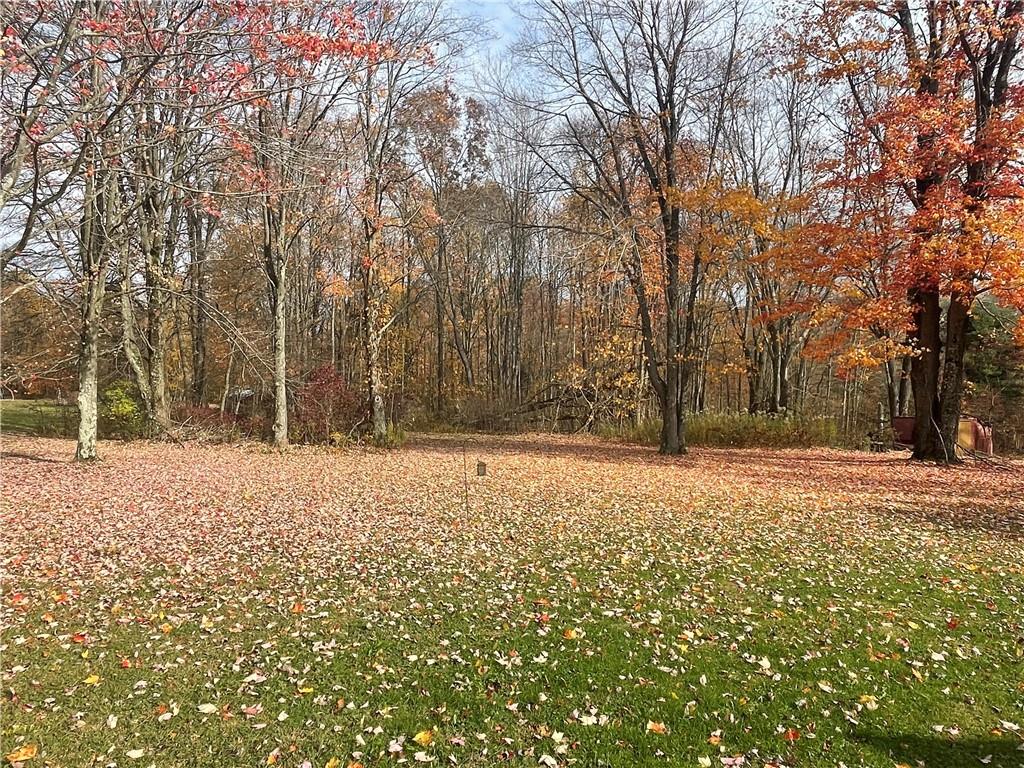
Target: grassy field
581	604
37	417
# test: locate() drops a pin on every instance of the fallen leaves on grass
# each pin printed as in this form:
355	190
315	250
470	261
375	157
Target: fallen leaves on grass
764	604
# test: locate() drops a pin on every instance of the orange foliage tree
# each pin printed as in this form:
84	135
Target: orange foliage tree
930	176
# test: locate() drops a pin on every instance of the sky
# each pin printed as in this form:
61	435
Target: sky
499	15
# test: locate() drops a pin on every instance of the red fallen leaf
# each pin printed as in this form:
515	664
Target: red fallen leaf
126	663
80	638
298	608
252	711
18	598
791	734
953	623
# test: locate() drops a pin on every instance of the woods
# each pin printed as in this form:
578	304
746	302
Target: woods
642	211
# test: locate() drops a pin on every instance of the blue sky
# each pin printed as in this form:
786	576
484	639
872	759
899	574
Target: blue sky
498	14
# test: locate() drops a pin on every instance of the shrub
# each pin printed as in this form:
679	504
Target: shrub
740	430
393	438
201	422
325	408
122	414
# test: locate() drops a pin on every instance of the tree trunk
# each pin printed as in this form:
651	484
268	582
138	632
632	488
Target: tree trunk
957	327
891	385
372	336
924	375
88	366
128	343
157	339
280	374
199	280
671	439
904	391
439	339
378	413
276	264
93	253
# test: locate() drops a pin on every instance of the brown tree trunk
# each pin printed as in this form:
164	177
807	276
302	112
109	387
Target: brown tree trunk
891	385
951	399
924	375
156	337
904	390
671	437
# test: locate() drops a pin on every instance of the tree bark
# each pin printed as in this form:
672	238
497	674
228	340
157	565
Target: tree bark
671	438
88	365
280	369
904	390
924	374
94	261
951	398
275	265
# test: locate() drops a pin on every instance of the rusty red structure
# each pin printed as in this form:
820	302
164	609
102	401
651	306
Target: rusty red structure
973	435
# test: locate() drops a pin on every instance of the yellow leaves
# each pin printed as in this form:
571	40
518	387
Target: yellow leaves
570	634
333	763
870	702
22	753
655	727
424	738
92	679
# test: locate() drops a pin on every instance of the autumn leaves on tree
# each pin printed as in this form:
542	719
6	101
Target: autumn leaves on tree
929	188
650	209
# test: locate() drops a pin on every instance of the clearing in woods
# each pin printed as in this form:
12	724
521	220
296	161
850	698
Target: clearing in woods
594	604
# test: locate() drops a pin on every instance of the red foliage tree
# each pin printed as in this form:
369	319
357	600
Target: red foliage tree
931	176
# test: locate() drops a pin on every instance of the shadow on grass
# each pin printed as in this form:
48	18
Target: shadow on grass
940	751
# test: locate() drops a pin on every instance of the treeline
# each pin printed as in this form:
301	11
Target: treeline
327	219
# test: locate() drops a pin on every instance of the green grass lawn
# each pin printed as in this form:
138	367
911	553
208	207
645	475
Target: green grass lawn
37	417
583	604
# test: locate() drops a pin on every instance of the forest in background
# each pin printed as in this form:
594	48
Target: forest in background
317	221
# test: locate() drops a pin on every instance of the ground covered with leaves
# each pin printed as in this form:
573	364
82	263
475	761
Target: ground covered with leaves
583	603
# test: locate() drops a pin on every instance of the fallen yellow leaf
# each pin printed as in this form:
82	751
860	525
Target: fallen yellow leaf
23	753
654	727
92	679
424	738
